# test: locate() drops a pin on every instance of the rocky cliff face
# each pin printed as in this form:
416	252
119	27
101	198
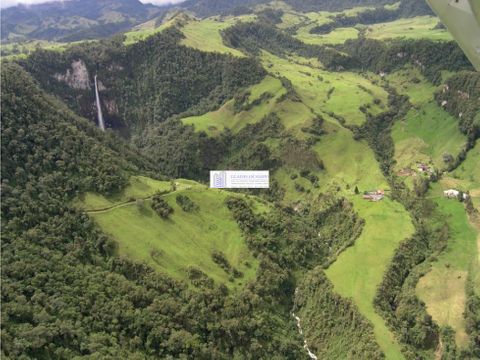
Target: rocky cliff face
77	77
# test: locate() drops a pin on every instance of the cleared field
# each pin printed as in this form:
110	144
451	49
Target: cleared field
337	36
216	121
443	288
427	132
425	135
205	35
23	49
409	81
323	91
347	162
359	269
420	27
467	176
185	239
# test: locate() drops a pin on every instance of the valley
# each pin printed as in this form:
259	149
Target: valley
338	104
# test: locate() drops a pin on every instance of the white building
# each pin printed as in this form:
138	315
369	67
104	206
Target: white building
453	194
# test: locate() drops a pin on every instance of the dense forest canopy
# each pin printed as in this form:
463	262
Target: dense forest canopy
361	134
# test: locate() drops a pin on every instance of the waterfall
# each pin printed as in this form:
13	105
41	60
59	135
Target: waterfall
101	123
311	355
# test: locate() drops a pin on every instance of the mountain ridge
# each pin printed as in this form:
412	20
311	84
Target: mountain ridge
75	19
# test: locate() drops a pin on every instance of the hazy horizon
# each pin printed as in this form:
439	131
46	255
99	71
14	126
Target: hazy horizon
10	3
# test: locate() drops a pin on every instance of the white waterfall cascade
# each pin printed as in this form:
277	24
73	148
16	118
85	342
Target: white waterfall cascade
101	123
305	345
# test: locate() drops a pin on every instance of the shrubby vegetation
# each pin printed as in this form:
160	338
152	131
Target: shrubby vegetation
430	57
161	207
186	203
254	36
324	317
366	17
300	239
460	96
406	8
219	258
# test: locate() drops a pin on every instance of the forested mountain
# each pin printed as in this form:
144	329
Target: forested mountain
73	20
91	19
205	8
366	115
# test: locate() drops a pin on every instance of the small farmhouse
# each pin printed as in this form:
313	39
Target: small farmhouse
454	194
424	168
376	195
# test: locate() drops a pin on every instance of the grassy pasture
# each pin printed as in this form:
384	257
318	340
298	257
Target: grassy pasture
323	91
216	121
27	47
427	132
443	287
359	269
337	36
420	27
467	176
205	34
347	162
183	240
424	135
409	81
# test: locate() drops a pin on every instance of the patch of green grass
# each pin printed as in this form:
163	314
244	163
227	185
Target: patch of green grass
149	28
347	162
359	269
409	81
25	48
323	91
290	19
467	176
469	170
185	239
443	288
425	135
225	117
205	35
337	36
320	91
420	27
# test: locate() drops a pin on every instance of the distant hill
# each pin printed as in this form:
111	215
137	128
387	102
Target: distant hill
74	20
205	8
92	19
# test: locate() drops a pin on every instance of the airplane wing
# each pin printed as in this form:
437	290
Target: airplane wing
462	19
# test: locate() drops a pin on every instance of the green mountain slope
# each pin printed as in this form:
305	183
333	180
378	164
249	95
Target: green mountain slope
364	112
